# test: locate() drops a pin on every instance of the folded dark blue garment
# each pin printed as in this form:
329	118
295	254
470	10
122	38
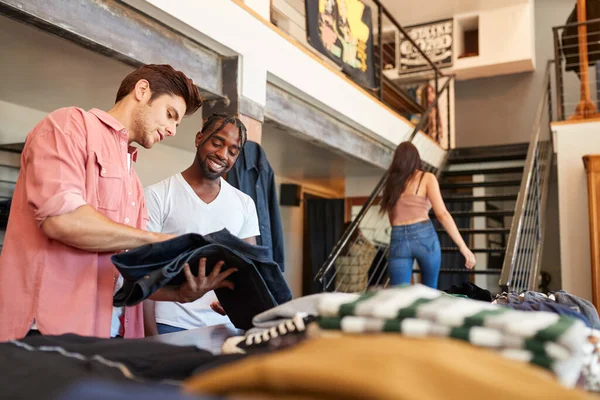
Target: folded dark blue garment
259	283
262	258
548	305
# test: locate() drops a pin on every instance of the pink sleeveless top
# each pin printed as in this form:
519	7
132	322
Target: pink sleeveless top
412	207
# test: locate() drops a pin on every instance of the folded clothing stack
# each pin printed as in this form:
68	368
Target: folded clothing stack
560	302
545	339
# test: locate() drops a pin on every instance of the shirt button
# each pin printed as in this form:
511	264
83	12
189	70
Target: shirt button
103	170
126	220
123	143
124	131
126	320
133	203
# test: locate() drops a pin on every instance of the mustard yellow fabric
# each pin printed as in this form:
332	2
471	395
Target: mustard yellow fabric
383	366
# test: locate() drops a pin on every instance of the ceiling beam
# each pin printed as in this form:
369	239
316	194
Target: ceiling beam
123	33
312	124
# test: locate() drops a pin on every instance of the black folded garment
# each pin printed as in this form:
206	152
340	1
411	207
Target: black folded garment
42	367
472	291
259	283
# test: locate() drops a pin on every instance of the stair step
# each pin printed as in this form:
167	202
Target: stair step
484	171
465	199
472	231
466	185
475	250
507	152
488	213
483	158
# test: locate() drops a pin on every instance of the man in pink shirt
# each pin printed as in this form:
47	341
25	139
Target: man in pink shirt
78	201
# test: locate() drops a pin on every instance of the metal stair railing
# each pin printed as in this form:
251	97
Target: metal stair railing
328	276
526	239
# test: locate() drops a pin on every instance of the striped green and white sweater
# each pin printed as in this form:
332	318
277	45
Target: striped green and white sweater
545	339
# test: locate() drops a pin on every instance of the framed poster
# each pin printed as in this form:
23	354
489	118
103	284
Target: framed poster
434	38
343	31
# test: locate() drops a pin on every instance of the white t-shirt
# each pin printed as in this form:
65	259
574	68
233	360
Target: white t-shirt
174	207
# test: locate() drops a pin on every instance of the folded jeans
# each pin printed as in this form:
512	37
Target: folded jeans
259	283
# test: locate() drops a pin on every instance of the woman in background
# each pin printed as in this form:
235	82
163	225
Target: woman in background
408	195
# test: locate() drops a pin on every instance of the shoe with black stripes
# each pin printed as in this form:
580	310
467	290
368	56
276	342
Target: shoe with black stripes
285	334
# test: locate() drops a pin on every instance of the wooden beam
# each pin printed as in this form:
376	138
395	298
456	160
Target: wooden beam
121	32
229	76
309	123
585	108
592	167
234	103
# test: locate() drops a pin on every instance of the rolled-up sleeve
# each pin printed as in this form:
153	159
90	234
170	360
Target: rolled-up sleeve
54	163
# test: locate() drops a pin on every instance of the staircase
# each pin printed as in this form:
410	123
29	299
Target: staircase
497	196
480	187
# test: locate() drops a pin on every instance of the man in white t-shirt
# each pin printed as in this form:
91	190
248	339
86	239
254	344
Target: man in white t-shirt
199	200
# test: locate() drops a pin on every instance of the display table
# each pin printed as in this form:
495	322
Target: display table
209	338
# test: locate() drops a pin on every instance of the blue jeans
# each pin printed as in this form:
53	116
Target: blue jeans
164	328
415	241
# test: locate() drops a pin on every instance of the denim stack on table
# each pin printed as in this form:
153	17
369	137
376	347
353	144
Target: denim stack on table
259	283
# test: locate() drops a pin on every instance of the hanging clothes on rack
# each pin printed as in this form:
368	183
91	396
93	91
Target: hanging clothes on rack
253	175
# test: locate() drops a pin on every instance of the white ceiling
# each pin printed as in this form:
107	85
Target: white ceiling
45	72
410	12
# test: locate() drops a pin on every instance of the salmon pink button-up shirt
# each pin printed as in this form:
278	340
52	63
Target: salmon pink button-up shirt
71	158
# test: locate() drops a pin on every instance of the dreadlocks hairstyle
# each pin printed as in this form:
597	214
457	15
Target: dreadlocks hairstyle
405	163
225	119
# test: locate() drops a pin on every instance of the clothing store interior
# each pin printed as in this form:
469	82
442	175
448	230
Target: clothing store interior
299	199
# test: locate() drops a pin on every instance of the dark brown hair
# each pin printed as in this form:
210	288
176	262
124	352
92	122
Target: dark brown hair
406	161
163	79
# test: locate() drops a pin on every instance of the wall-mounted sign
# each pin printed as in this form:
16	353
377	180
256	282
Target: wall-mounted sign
434	38
342	30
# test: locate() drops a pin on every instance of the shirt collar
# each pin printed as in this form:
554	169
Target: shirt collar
251	155
108	120
133	152
115	125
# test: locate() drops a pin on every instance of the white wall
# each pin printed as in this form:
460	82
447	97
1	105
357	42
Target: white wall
429	151
506	35
361	186
261	7
501	109
17	121
161	162
264	51
292	223
572	142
